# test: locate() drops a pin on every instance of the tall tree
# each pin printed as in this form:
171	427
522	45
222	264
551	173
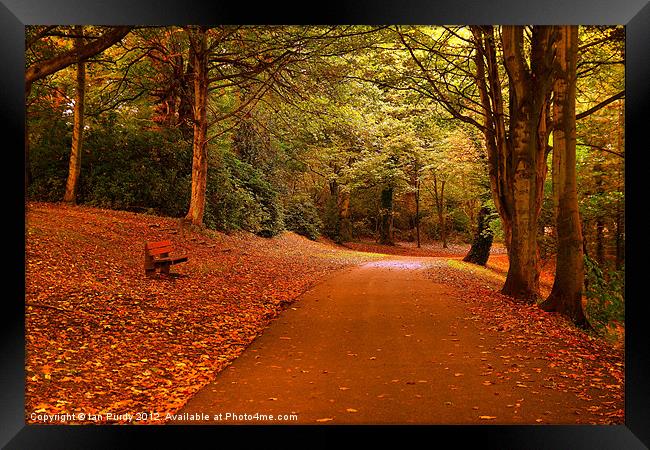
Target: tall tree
199	54
74	169
516	134
524	153
439	197
386	215
566	294
245	62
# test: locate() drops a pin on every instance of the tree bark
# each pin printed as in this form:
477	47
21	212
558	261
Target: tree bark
199	50
74	168
479	252
28	164
385	232
417	211
343	207
440	208
529	96
600	222
517	156
566	294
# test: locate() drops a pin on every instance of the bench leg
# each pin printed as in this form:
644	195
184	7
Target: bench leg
150	272
164	269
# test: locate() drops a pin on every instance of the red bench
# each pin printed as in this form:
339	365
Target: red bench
156	255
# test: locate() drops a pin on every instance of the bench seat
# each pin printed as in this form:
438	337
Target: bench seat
157	255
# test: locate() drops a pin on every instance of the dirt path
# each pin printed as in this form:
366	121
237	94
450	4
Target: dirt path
380	344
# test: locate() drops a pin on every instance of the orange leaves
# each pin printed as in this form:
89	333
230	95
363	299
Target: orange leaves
112	341
102	337
551	353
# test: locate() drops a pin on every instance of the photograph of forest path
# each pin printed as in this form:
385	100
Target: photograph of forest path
324	225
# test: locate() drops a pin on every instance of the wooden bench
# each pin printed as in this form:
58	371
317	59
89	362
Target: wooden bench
156	255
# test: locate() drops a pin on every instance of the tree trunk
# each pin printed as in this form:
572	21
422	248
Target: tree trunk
74	168
620	241
417	211
343	207
28	164
439	197
600	223
566	294
480	250
441	216
620	216
385	235
199	144
337	224
522	281
517	157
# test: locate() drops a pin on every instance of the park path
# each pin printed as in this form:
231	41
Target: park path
381	343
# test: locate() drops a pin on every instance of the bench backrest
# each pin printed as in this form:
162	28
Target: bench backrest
158	248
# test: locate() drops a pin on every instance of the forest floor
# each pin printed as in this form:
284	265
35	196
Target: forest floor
103	338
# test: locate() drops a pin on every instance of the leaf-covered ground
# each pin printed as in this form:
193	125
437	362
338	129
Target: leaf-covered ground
581	363
433	249
101	337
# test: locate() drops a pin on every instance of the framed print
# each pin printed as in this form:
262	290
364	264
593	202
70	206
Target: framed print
447	188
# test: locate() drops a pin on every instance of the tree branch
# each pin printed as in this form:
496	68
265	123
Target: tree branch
600	105
44	68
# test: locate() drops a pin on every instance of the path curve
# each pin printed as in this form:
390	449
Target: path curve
379	344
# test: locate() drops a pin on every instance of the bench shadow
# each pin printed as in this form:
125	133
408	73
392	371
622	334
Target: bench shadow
170	276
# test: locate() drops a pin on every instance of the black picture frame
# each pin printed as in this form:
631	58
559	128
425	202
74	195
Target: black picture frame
15	14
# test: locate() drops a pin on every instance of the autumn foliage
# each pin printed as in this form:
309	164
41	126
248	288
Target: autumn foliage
101	337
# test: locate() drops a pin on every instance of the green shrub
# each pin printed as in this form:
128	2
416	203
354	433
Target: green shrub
137	170
49	158
605	291
497	229
121	168
332	221
301	216
238	197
